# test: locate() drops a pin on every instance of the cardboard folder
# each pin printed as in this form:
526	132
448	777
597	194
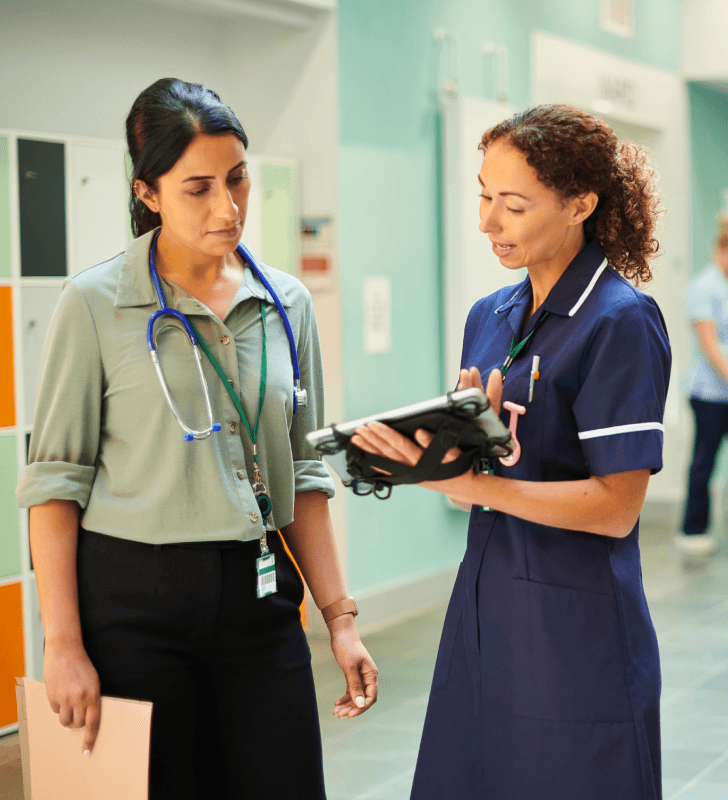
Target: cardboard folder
52	759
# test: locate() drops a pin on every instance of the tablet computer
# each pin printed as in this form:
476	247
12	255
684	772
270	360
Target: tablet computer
489	430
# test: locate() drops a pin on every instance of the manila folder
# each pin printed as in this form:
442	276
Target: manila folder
53	764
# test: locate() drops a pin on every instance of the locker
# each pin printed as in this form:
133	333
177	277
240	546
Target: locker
36	307
12	659
5	264
97	182
10	559
41	177
7	379
32	607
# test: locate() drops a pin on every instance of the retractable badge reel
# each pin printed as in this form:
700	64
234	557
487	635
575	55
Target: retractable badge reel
266	563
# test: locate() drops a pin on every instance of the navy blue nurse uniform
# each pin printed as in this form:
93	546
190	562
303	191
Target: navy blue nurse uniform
547	680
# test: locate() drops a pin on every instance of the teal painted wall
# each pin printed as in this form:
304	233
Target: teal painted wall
390	216
708	165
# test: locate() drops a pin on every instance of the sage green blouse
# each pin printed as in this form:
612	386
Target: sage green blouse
104	435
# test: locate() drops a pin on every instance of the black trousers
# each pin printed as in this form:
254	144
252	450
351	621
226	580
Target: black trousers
229	674
711	424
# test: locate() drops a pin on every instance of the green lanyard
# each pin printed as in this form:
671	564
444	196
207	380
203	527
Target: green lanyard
516	348
259	490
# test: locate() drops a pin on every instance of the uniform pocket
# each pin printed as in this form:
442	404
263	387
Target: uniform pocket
449	632
290	583
567	657
529	429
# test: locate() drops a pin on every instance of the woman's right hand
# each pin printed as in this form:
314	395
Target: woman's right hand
470	379
73	689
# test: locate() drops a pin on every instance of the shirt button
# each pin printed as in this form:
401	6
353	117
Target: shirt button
253	517
225	339
233	427
241	474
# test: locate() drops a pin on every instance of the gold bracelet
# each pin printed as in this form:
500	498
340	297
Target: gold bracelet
337	609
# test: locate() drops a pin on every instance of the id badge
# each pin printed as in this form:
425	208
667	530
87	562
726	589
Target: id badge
266	569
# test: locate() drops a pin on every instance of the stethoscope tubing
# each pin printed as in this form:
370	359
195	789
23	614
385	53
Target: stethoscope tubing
299	395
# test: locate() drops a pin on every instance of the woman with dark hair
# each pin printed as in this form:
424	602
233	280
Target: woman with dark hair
547	681
161	569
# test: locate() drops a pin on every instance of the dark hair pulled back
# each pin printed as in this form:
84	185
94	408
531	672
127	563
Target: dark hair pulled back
575	153
163	120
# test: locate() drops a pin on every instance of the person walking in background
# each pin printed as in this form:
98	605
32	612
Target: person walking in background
708	391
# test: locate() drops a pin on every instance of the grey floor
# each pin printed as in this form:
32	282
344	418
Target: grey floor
373	757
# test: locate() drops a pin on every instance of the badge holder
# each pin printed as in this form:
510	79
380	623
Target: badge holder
265	564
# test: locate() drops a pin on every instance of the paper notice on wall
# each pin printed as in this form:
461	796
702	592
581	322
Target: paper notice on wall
377	315
317	251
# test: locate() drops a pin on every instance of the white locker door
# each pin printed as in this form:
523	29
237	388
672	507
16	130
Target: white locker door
98	203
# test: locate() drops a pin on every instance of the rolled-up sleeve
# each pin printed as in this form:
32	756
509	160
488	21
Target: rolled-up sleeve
67	419
310	474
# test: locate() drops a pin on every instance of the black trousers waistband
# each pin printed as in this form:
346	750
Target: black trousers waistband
222	544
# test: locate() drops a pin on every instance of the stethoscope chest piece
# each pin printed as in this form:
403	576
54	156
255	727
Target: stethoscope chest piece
300	397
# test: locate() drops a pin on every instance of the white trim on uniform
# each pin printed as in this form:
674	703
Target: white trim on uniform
588	289
633	428
510	299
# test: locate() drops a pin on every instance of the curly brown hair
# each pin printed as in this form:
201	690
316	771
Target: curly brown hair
574	153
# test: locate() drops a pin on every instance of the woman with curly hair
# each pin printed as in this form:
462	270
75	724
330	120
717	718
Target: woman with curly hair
547	680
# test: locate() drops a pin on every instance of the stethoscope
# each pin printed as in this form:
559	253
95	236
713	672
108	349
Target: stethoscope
300	397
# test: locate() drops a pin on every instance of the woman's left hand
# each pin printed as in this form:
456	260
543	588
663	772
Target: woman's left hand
358	668
382	440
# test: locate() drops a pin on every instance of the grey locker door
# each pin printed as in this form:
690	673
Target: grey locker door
36	307
41	174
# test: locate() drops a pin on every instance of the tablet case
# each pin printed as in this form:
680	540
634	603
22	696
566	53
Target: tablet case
461	421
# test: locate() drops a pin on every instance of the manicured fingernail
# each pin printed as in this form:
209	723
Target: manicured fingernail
87	753
360	701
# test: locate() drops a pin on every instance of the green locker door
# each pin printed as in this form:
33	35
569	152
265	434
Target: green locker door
10	558
41	174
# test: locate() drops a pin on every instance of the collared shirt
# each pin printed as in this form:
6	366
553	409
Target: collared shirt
708	301
604	369
104	435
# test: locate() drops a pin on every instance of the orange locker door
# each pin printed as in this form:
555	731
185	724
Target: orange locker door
12	658
7	382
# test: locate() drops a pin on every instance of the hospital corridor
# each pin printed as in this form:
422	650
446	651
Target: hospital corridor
364	399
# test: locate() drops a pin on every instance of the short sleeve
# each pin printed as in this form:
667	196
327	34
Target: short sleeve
625	374
702	303
66	422
309	471
471	324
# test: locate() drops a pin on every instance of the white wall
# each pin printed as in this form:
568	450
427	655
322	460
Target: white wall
704	54
76	67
